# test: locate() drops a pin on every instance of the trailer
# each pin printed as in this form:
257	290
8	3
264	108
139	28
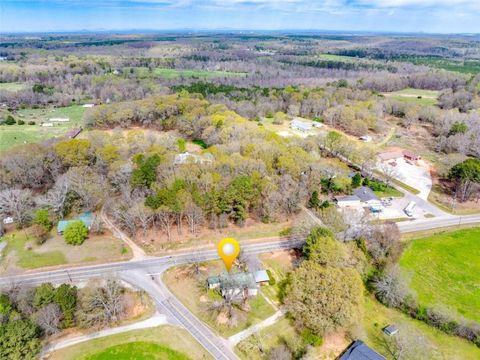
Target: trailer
409	208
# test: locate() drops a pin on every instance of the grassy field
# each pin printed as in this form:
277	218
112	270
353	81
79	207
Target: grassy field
161	343
12	86
23	252
192	293
435	345
11	135
138	350
444	269
186	73
417	96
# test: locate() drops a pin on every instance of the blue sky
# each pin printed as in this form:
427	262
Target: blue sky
437	16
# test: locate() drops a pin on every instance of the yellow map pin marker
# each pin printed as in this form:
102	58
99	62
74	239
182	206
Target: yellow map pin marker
228	249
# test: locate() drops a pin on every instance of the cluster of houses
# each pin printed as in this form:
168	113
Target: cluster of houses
240	285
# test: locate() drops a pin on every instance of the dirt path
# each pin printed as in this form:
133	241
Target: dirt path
137	251
242	335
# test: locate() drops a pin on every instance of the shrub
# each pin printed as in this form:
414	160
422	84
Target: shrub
75	233
10	120
271	280
42	218
21	122
39	233
310	338
31	123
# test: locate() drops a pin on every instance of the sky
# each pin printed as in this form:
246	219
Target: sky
430	16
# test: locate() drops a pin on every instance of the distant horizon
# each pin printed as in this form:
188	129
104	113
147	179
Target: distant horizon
253	31
376	16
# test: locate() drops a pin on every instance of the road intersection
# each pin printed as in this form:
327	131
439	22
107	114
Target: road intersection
145	273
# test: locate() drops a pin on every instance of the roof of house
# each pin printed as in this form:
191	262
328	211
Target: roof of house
390	155
240	280
301	124
86	218
347	198
410	154
212	280
365	193
359	351
261	276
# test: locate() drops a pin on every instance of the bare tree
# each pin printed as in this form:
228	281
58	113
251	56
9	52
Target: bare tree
102	305
16	203
389	172
225	307
390	288
280	352
48	318
56	197
194	216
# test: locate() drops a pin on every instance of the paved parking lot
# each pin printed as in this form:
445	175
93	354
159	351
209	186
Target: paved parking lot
415	175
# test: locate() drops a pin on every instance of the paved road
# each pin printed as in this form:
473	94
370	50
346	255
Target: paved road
437	222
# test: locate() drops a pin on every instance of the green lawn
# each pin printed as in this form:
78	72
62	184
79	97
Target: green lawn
160	343
389	192
138	350
23	252
444	269
12	86
29	259
11	135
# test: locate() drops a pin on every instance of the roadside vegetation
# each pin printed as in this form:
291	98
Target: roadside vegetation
30	315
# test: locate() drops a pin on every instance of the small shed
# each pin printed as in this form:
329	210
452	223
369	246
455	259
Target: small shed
213	282
8	220
88	105
390	330
347	201
47	124
261	277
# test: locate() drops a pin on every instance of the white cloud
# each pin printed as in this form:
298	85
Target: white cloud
419	3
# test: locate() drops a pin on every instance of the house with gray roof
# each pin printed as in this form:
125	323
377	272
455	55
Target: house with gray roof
366	196
358	350
238	285
300	125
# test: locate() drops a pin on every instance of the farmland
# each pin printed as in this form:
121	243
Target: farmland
12	135
185	73
443	270
415	96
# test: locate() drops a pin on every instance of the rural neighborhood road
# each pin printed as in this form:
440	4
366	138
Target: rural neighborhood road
145	273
